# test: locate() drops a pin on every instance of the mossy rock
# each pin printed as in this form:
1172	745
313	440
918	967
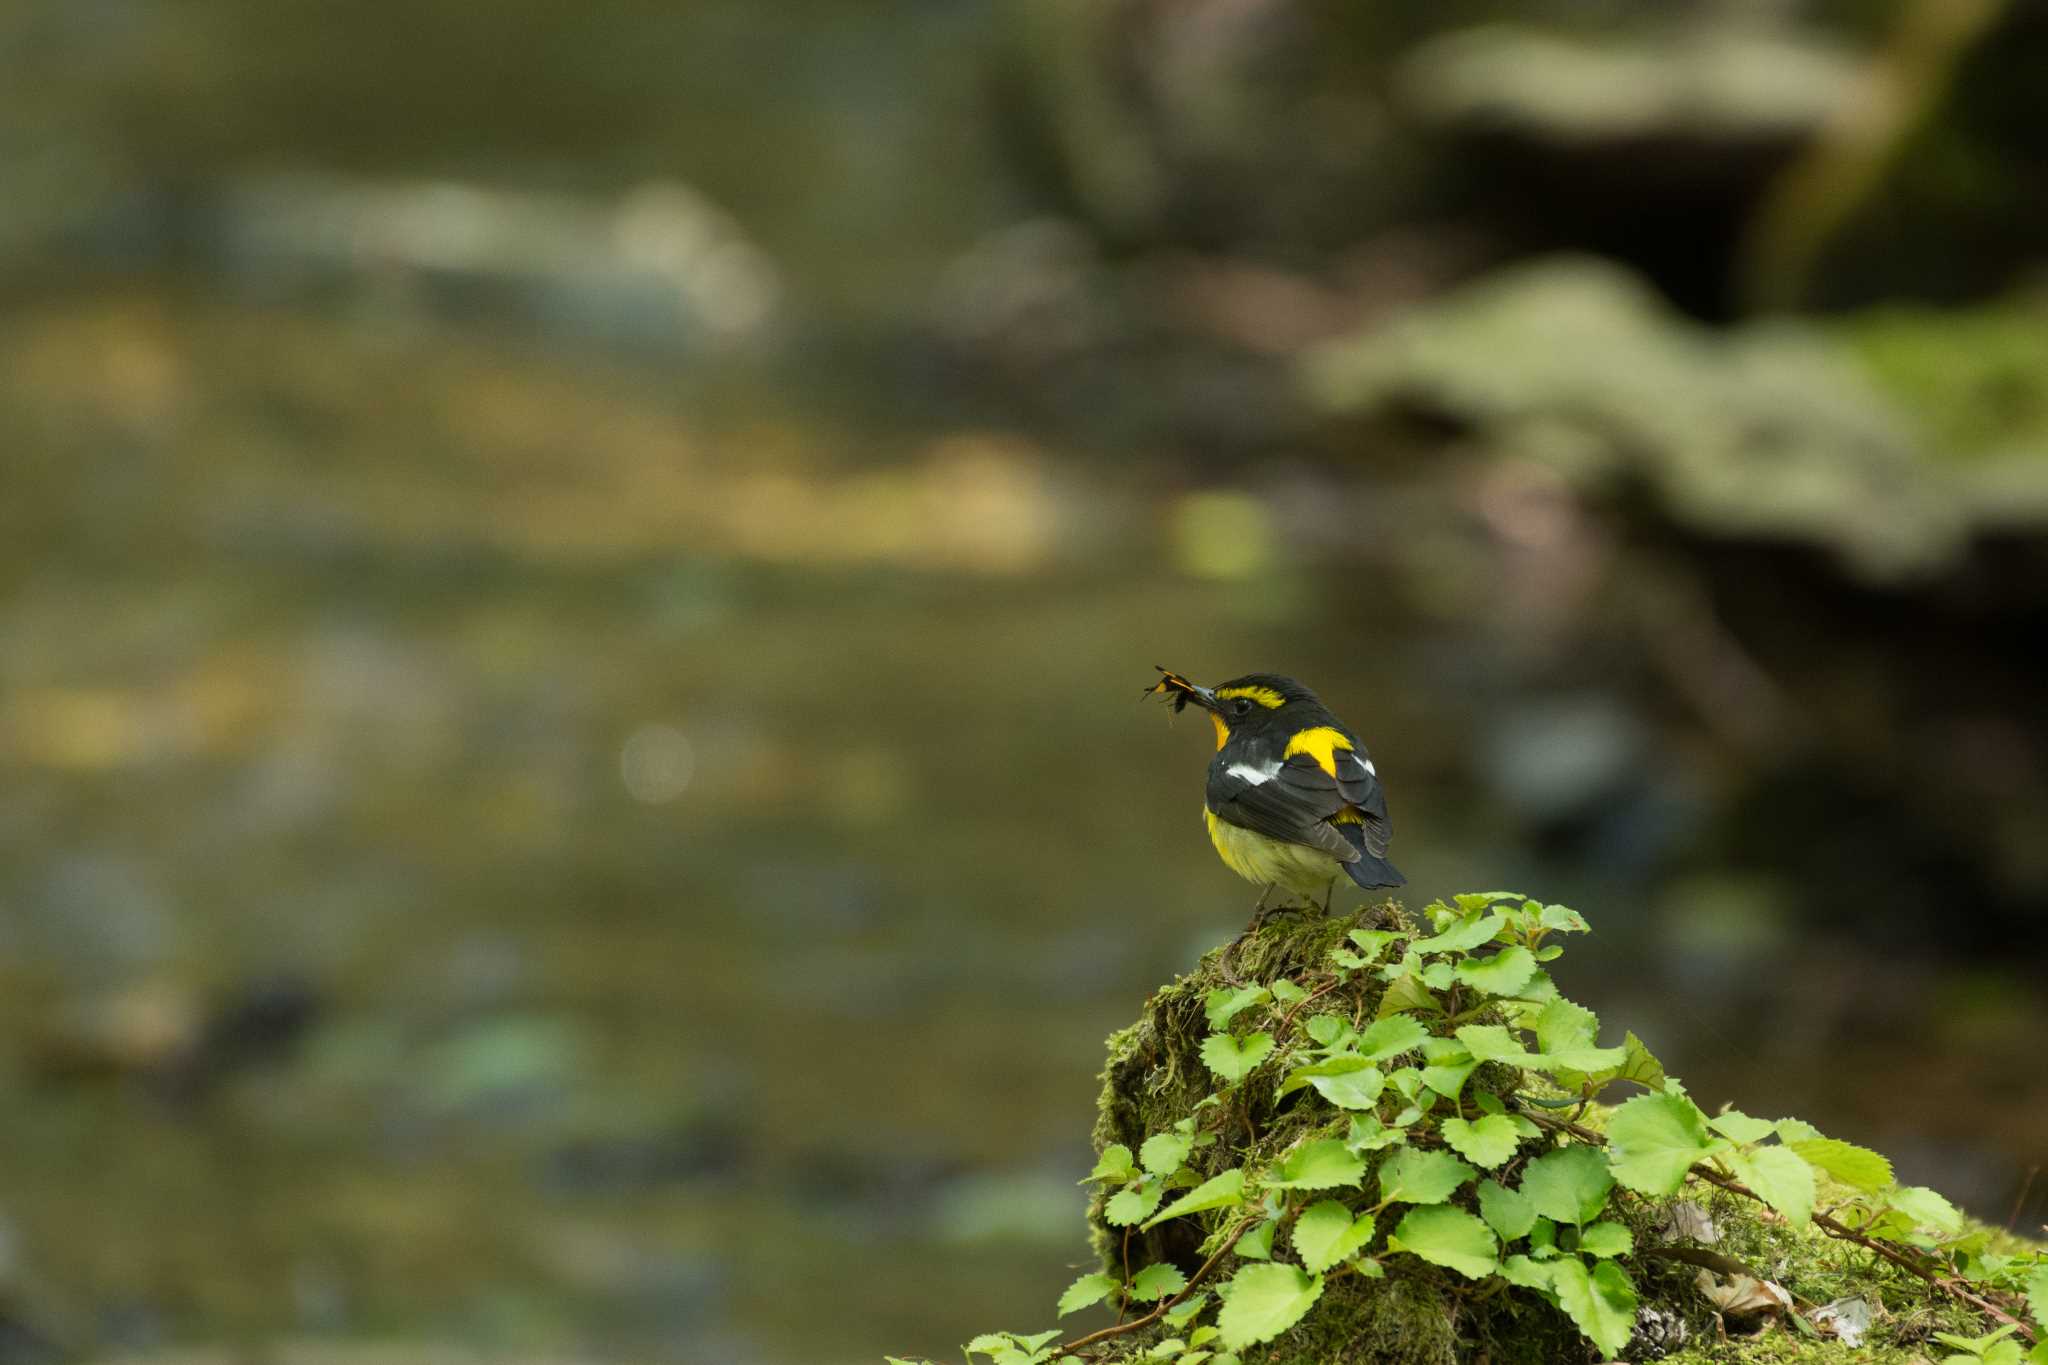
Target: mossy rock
1419	1314
1889	441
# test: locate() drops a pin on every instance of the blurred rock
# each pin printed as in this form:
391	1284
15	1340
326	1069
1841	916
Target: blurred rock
161	1030
661	268
1711	86
1769	433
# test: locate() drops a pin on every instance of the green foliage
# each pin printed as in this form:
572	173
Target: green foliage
1780	1177
1086	1290
1326	1233
1488	1141
1654	1140
1262	1301
1233	1058
1448	1237
1158	1282
1601	1301
1569	1185
1320	1165
1858	1167
1413	1176
1446	1057
1217	1192
1508	1212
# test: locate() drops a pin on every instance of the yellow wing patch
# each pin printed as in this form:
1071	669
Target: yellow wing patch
1264	696
1320	743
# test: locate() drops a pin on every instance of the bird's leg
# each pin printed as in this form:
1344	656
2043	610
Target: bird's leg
1329	892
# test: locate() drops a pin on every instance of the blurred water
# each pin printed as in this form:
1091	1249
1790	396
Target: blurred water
548	810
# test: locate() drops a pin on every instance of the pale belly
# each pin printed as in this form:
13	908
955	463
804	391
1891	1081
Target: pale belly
1268	861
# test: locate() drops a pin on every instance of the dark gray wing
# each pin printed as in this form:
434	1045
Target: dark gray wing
1293	805
1359	787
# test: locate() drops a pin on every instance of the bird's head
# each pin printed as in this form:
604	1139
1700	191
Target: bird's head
1245	706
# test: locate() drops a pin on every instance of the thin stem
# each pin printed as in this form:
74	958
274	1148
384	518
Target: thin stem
1163	1309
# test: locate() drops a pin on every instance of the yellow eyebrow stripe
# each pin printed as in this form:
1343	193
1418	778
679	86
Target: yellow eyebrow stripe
1264	696
1320	743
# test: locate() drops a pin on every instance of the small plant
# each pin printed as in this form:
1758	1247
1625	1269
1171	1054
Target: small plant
1447	1128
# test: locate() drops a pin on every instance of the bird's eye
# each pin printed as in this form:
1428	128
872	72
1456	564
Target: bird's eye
1242	706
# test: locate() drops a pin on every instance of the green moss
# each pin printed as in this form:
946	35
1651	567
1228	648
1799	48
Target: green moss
1418	1314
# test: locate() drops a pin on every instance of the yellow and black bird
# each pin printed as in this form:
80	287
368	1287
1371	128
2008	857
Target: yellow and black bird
1293	799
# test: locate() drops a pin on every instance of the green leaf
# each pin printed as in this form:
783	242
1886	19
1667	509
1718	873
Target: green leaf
1488	1142
1326	1029
1508	1212
1448	1237
2037	1295
1448	1080
1320	1165
1351	1089
1607	1239
1857	1167
1569	1185
1469	932
1224	1004
1160	1281
1262	1301
1653	1140
1084	1291
1780	1178
1134	1205
1233	1058
1257	1245
1390	1036
1578	1060
1639	1064
1506	972
1563	1024
1113	1164
1739	1127
1186	1310
1492	1043
1413	1176
1373	942
1287	993
1520	1270
1368	1134
1217	1192
1331	1066
1407	993
1163	1153
1326	1233
1923	1208
1603	1304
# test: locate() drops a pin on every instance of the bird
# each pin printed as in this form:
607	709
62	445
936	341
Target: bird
1293	799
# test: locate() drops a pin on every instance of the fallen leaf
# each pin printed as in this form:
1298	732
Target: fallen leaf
1744	1296
1687	1220
1848	1319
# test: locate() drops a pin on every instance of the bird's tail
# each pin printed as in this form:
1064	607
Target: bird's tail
1373	873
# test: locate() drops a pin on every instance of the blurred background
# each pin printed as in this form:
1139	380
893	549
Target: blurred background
574	584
